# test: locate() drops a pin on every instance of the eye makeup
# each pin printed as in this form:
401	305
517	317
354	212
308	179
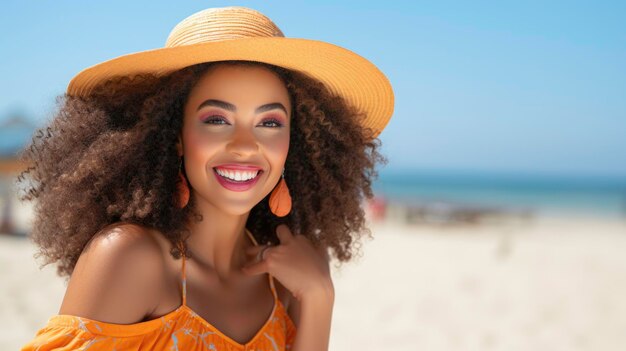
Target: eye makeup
218	119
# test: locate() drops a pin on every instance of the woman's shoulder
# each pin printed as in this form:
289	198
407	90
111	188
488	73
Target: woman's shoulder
124	237
118	276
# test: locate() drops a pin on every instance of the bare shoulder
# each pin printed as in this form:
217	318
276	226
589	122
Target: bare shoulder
117	276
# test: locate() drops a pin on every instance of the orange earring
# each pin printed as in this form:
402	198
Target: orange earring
280	200
182	187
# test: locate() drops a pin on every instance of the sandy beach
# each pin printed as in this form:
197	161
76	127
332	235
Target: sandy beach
546	283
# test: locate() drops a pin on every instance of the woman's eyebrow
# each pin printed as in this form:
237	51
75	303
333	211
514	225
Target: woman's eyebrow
230	107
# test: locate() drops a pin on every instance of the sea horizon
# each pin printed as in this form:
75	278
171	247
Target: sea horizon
598	195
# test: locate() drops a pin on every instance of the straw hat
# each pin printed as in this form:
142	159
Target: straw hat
240	33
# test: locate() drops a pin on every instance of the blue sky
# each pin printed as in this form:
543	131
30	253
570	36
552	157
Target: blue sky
534	87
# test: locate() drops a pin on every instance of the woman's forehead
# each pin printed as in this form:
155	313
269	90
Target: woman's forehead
243	84
229	74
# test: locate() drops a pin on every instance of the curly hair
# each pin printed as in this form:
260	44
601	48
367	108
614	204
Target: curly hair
111	157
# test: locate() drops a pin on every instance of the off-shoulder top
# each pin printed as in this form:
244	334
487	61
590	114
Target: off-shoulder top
181	329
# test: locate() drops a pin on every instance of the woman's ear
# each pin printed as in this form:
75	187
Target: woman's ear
179	146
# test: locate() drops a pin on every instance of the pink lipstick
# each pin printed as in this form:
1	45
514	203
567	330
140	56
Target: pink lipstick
234	185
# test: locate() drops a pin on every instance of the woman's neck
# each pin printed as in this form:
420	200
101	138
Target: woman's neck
219	241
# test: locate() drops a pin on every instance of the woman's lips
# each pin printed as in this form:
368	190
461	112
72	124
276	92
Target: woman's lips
234	185
239	167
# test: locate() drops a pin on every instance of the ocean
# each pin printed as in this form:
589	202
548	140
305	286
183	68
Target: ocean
597	196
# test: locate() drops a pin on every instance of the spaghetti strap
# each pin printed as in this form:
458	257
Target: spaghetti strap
184	282
273	287
271	279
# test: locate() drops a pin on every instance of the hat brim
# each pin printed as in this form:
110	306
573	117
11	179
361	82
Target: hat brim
344	72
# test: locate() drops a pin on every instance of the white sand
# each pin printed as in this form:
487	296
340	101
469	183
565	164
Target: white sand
549	284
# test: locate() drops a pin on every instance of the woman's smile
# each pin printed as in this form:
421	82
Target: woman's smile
239	176
237	180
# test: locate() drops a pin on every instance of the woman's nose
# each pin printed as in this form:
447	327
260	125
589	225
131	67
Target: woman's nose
243	141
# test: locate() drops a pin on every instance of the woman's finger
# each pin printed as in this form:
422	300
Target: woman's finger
253	250
255	268
284	233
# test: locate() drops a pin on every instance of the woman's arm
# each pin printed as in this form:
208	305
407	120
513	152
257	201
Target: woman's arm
314	314
312	317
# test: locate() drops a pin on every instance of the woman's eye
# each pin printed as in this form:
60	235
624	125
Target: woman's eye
273	123
215	120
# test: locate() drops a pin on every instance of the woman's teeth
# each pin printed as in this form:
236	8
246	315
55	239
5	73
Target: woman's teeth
237	176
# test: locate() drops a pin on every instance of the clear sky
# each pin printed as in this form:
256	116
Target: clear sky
536	87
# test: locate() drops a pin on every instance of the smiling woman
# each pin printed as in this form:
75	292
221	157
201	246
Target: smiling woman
156	190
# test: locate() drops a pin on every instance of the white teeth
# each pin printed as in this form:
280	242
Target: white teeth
240	176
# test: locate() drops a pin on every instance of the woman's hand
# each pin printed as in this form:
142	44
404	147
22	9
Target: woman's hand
295	263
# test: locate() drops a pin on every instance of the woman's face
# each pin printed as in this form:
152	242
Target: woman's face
235	116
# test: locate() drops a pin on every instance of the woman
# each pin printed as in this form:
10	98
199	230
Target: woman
163	170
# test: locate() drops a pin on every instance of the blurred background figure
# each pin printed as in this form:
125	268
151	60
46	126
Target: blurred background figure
377	207
499	222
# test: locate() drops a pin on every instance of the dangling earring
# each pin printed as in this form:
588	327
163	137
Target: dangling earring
182	188
280	200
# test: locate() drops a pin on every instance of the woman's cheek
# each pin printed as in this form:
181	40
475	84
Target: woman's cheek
278	148
206	138
199	148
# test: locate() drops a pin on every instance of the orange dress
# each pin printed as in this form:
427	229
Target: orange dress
181	329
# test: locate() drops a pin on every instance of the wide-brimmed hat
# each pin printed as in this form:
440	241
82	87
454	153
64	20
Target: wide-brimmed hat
240	33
